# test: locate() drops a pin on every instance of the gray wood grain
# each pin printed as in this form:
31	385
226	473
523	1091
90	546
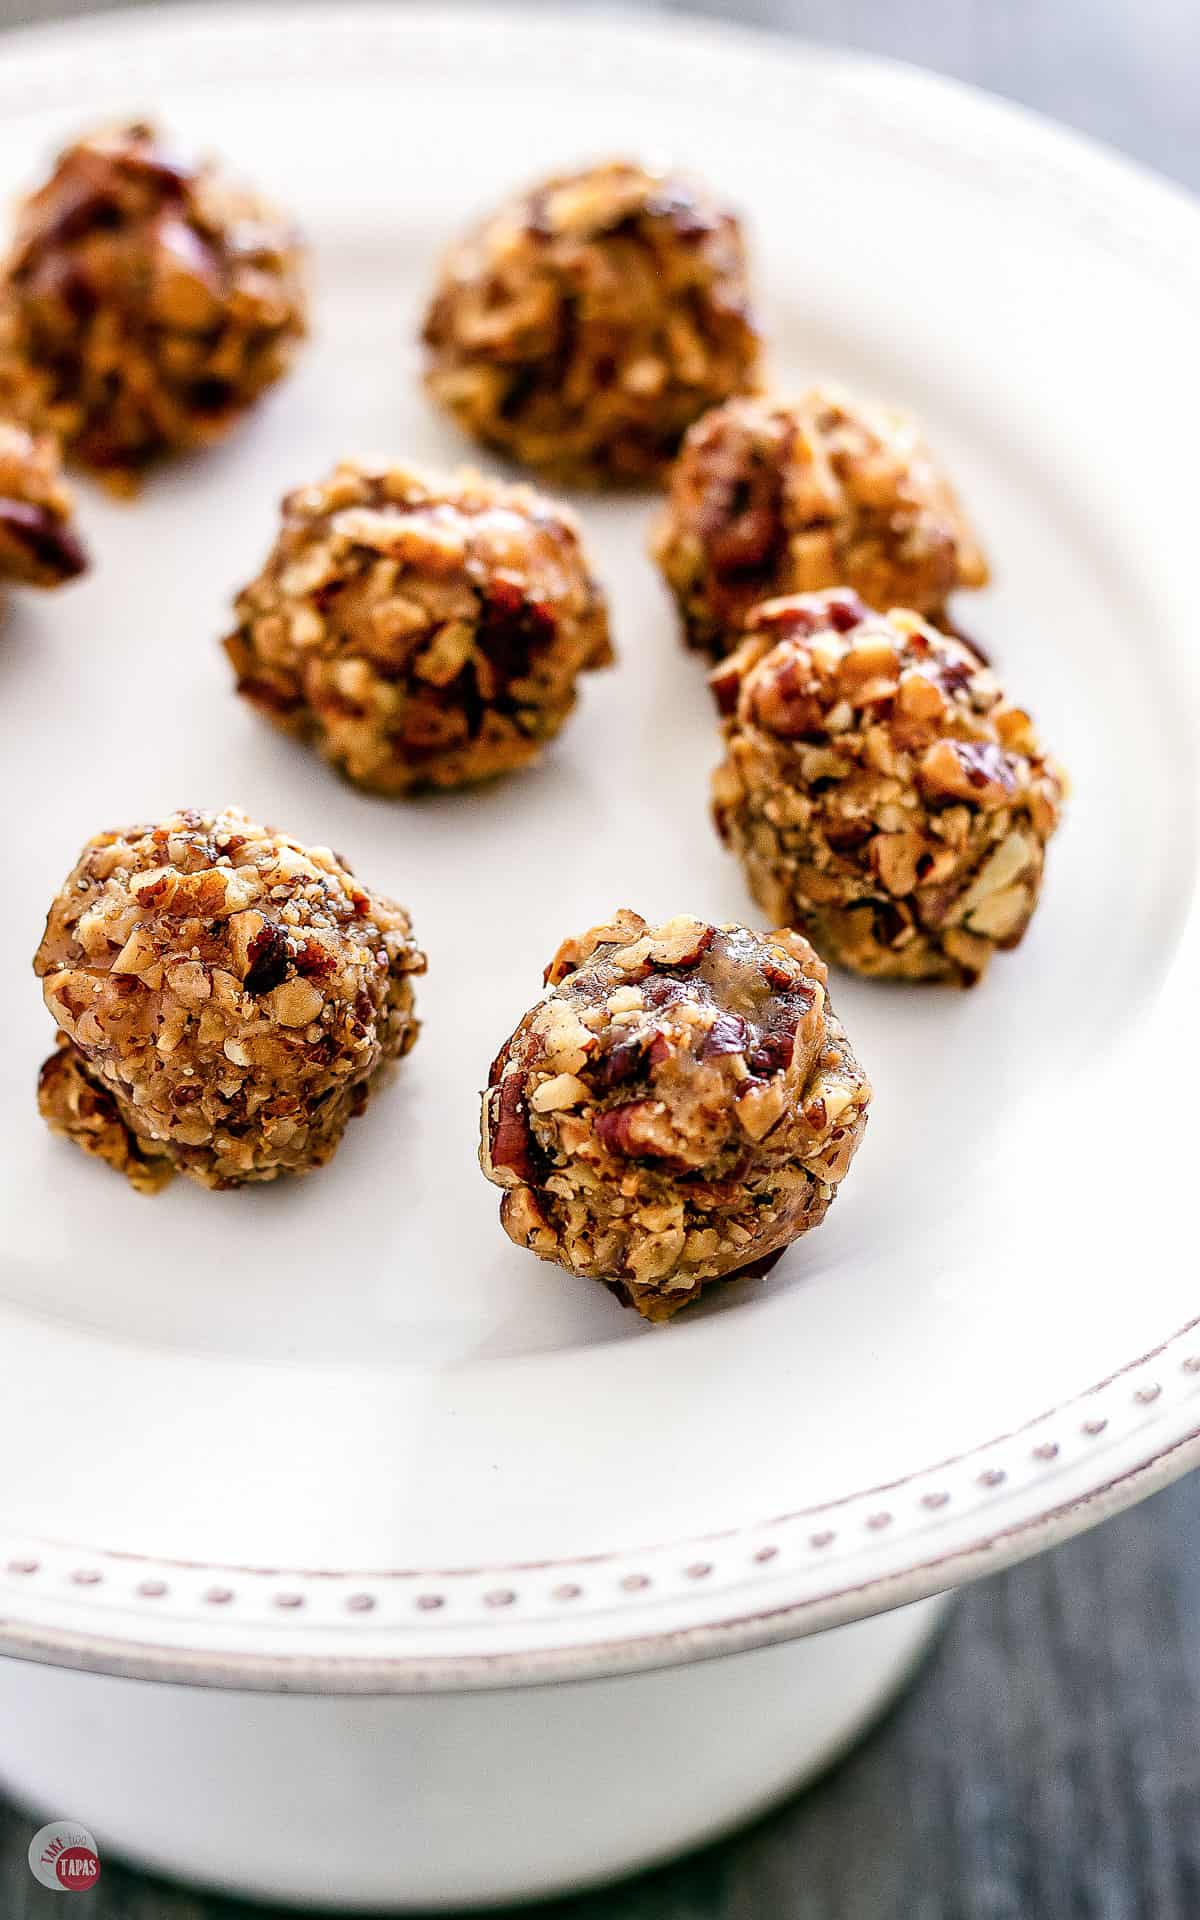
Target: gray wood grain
1046	1765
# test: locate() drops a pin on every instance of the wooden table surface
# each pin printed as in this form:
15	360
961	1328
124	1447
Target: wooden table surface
1046	1763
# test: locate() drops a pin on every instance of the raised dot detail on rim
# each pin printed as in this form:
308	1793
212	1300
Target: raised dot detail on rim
632	1583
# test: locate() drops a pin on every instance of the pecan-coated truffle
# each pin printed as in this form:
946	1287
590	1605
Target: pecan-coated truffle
145	303
769	498
880	790
679	1107
420	633
590	320
226	999
38	545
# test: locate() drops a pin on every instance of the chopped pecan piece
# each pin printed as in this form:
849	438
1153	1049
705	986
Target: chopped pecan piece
38	544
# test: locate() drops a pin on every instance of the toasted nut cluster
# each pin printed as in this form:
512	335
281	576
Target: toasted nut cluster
880	790
38	546
679	1107
423	634
145	303
768	499
226	999
588	322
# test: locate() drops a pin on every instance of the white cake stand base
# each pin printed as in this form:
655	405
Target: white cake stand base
442	1800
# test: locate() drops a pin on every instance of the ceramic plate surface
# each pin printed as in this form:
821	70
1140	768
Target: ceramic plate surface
340	1433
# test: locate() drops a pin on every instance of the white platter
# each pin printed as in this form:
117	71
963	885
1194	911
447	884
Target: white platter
341	1435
